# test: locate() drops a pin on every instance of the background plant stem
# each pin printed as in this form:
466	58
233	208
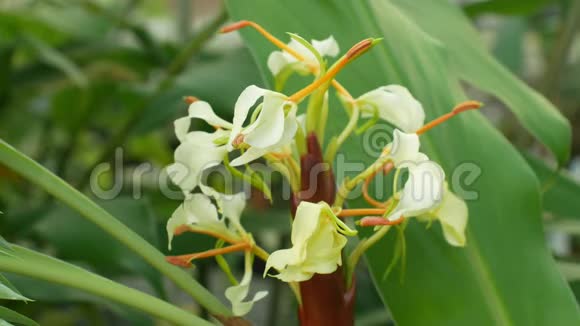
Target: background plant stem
176	66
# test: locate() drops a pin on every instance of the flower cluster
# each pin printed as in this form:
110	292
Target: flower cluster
265	126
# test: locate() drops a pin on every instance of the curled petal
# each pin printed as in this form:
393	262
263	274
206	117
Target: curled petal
396	105
422	191
198	110
189	164
404	148
269	126
245	102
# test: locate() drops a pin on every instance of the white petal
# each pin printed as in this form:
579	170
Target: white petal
404	148
327	47
302	50
181	127
202	110
422	191
452	213
237	294
196	209
245	102
277	61
195	154
395	105
249	155
269	126
230	206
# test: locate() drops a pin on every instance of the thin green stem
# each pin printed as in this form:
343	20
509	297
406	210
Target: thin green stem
38	266
57	187
561	49
349	184
360	249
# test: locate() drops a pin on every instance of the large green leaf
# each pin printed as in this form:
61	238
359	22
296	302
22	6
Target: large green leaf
465	48
488	282
32	264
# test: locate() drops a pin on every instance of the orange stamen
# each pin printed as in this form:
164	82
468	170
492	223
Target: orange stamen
386	169
190	99
184	228
281	45
361	211
185	260
378	220
462	107
266	34
352	54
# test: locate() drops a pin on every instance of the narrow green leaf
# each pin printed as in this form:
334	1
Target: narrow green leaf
560	192
40	176
42	267
9	292
54	58
8	316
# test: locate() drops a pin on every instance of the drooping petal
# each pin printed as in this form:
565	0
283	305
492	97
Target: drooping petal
327	47
422	191
269	126
198	110
196	153
237	294
245	102
202	110
196	209
396	105
453	214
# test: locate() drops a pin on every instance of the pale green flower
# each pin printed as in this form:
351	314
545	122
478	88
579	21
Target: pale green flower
237	294
317	241
279	60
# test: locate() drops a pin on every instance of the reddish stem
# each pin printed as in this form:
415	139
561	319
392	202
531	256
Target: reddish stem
325	298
